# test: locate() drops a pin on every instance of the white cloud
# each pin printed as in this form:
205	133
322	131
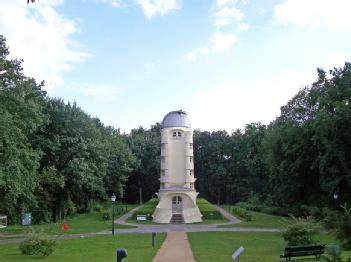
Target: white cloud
40	35
153	7
330	13
232	106
116	4
243	27
226	15
193	55
99	93
261	11
222	42
225	2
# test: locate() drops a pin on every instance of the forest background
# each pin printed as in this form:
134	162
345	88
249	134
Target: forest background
57	160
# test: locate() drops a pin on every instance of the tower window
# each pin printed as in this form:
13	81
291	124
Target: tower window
163	172
191	159
163	159
179	133
191	185
190	145
174	133
190	172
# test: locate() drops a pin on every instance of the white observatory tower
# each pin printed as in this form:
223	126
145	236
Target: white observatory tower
177	195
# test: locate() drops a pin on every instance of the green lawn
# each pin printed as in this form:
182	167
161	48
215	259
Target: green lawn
210	214
206	208
147	209
82	223
92	249
262	247
259	220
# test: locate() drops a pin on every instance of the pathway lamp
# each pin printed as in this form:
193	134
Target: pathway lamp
113	199
335	196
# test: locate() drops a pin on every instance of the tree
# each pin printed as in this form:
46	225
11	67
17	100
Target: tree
21	102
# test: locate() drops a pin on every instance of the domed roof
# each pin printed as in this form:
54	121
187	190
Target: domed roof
176	119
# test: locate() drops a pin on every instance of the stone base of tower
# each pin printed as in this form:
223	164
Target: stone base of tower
177	201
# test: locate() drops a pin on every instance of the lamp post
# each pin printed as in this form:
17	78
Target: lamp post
113	199
335	196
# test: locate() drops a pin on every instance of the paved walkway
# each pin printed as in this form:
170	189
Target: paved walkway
175	248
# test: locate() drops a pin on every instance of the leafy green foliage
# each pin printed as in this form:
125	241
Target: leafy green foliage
242	213
300	231
344	228
147	209
36	244
208	211
334	254
230	166
143	182
55	159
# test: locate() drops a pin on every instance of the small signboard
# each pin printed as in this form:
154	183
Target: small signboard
27	219
141	217
237	253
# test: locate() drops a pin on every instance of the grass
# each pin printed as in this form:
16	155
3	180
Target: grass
263	247
81	223
203	204
210	213
259	220
147	209
97	249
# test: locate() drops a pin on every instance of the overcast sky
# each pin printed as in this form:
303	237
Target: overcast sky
129	62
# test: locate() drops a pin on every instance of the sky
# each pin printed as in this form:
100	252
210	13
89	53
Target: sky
227	63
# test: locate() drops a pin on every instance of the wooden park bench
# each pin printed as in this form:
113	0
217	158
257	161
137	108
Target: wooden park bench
299	251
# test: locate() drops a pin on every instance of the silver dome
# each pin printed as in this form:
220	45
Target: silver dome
176	119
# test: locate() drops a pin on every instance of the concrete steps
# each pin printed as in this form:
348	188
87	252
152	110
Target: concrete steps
177	219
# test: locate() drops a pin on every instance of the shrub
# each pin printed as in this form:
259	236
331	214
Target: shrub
334	254
344	228
300	231
253	198
273	210
250	207
97	207
330	218
242	213
35	244
211	215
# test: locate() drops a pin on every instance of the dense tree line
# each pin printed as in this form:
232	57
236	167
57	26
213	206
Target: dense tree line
56	160
303	157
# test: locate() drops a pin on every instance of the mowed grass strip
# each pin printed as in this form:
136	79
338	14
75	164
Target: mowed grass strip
259	220
210	214
262	247
96	249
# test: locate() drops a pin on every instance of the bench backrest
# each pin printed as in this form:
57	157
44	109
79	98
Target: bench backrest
293	249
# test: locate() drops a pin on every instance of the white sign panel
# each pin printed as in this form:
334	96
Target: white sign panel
141	218
237	253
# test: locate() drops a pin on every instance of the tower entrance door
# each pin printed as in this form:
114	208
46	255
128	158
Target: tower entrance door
177	204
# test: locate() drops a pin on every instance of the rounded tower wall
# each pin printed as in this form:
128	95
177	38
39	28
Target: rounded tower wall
177	193
176	155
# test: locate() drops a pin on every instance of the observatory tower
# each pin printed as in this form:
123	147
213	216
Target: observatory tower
177	194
